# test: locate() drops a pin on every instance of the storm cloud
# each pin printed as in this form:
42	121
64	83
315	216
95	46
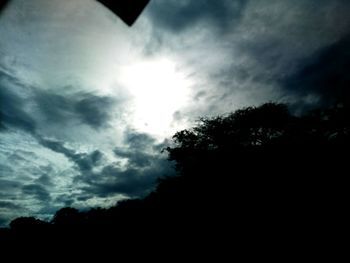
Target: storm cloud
324	75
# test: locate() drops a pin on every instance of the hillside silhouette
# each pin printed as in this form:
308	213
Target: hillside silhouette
259	175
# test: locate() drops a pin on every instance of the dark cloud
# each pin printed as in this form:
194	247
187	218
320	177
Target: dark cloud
3	221
8	186
324	75
95	157
54	107
58	147
94	110
26	107
116	180
12	104
9	205
138	141
177	15
5	169
132	182
37	191
265	42
138	149
44	180
2	126
145	163
141	151
85	162
135	158
8	209
16	158
84	197
88	109
66	200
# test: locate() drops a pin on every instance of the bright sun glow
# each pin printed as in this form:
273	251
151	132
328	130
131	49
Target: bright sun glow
159	90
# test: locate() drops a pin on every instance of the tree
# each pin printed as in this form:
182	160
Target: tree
264	132
265	162
25	224
67	217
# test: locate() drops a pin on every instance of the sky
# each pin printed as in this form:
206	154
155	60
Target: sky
87	103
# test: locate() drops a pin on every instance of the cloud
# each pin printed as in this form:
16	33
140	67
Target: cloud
130	182
37	191
94	110
8	186
44	180
139	151
144	164
135	158
178	16
13	102
84	162
5	170
324	75
112	179
95	176
8	205
66	200
138	141
7	211
265	45
62	111
88	109
3	221
26	107
32	113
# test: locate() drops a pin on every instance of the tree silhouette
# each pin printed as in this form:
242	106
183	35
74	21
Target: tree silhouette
27	224
260	164
66	217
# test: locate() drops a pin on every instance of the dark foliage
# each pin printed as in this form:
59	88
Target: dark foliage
259	177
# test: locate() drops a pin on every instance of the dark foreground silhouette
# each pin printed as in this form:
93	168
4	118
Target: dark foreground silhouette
127	10
2	4
257	180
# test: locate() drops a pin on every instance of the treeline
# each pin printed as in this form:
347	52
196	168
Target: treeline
257	174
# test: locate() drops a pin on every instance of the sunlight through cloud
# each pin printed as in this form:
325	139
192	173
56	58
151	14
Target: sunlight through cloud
159	89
